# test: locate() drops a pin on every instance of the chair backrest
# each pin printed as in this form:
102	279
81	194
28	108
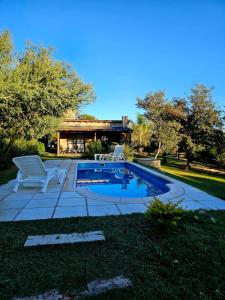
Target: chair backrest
30	165
118	150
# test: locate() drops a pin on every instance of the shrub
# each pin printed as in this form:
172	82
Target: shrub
128	152
40	148
204	155
93	148
23	147
219	156
164	215
18	148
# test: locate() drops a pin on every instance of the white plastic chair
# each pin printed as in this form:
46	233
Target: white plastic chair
118	154
32	172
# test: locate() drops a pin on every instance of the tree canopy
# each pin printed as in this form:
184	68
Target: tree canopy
35	90
190	123
87	117
141	132
162	114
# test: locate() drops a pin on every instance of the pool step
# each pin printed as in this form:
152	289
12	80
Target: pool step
58	239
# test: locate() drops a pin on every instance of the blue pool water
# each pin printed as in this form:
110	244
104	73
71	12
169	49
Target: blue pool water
120	180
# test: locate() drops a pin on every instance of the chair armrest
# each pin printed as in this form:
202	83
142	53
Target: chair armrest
19	175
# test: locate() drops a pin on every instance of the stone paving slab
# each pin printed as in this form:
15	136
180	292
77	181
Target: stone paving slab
103	210
100	286
70	211
132	208
8	203
71	201
59	239
39	213
9	214
36	203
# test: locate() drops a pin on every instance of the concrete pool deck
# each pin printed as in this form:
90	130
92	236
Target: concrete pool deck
65	200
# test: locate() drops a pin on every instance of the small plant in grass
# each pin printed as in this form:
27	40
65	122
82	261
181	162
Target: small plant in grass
165	215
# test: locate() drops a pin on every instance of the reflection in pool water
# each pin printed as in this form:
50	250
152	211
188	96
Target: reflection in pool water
120	180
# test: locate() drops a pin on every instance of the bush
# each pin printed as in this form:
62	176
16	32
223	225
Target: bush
164	215
93	148
18	148
128	152
204	155
23	147
219	156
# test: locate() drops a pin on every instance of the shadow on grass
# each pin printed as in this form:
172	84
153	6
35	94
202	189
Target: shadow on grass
214	185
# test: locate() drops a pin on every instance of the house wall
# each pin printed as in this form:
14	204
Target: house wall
75	134
72	141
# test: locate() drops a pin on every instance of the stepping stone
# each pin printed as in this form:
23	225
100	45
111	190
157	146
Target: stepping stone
58	239
103	285
94	288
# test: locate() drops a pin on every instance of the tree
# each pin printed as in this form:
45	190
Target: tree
162	116
35	90
87	117
141	132
218	148
202	122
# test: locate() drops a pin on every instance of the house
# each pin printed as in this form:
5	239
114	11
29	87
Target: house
75	134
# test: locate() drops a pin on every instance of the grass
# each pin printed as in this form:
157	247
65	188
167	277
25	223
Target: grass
187	264
7	174
211	183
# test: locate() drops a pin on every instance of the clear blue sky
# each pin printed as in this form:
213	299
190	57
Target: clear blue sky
127	48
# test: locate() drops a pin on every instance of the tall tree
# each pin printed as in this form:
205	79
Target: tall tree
202	122
162	116
35	90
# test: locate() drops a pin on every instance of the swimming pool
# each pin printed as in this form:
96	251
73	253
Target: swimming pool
120	179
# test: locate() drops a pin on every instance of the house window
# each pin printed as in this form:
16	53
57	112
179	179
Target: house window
76	144
80	143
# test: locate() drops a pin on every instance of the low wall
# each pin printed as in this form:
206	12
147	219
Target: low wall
150	162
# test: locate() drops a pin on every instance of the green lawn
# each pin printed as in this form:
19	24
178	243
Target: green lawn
7	174
188	264
212	184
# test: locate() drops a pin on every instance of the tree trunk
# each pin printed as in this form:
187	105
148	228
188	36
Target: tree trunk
165	158
187	167
158	151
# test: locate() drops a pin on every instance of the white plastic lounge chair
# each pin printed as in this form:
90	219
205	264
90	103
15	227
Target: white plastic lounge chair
118	154
32	172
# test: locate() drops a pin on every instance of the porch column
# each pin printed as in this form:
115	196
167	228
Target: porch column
95	136
58	142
